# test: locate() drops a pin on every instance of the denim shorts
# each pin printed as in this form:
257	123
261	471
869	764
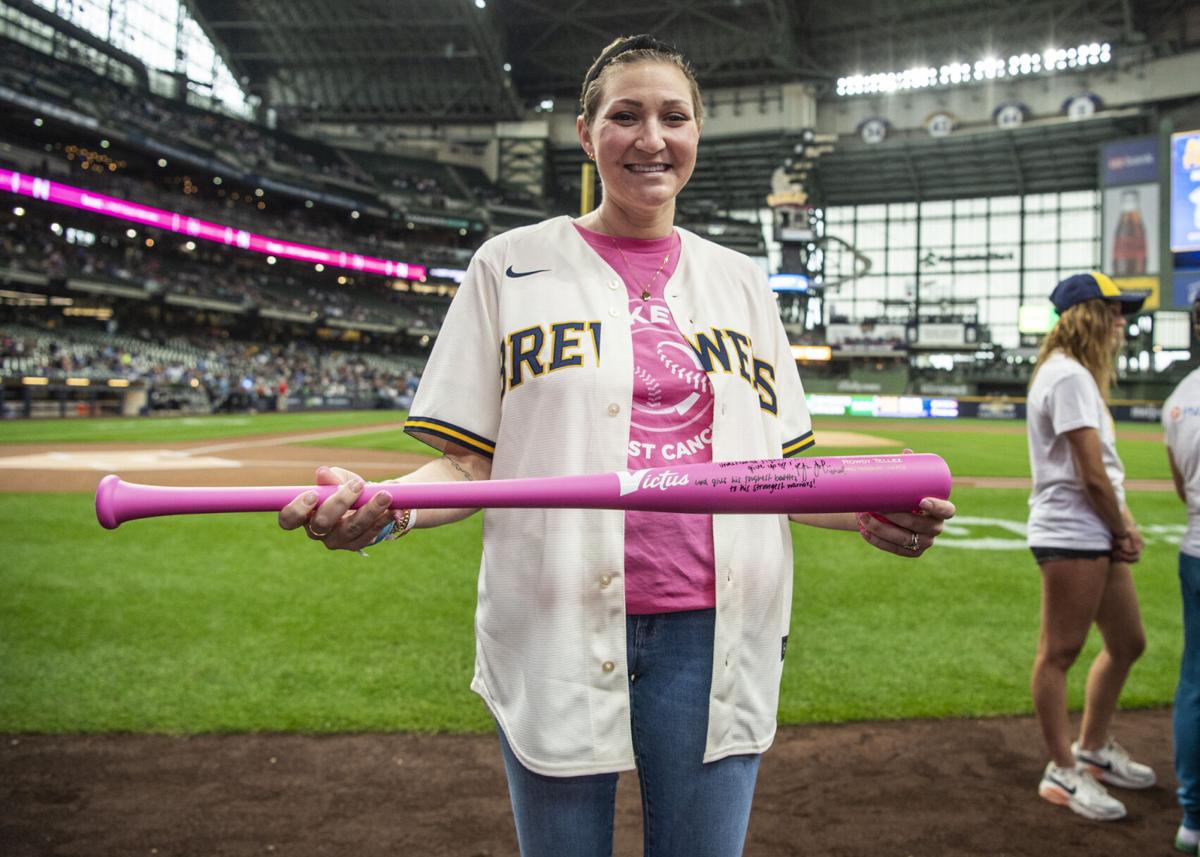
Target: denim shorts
1042	555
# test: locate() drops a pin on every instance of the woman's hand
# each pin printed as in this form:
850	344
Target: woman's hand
333	523
907	534
1128	548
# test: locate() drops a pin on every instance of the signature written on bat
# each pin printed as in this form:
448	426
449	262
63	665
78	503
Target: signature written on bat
770	476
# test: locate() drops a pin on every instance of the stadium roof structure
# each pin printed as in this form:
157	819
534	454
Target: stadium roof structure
482	60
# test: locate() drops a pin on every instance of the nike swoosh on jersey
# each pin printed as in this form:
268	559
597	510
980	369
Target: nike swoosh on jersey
515	274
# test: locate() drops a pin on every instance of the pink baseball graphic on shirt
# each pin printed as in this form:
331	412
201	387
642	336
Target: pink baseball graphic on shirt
670	391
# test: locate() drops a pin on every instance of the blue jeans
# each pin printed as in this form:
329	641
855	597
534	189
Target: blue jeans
689	809
1187	695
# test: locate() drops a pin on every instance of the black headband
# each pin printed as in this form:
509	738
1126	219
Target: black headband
643	42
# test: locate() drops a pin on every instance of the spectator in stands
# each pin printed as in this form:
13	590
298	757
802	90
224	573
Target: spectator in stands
587	670
1084	539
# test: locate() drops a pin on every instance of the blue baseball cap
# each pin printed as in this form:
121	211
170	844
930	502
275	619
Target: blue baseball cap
1085	287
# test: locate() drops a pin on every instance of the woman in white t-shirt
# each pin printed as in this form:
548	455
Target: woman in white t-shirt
1084	540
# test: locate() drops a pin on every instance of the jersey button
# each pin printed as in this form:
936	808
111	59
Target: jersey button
614	409
605	580
612	284
608	666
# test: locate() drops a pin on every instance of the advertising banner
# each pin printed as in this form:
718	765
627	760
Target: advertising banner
1185	192
1129	162
1131	231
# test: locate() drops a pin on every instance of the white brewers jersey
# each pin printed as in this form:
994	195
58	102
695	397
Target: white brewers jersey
1064	397
533	367
1181	423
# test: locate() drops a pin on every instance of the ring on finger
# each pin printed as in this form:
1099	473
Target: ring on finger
314	533
913	544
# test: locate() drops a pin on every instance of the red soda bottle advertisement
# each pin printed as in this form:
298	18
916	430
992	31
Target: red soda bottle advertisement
1129	241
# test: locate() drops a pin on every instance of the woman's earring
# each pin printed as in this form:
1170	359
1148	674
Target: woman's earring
591	156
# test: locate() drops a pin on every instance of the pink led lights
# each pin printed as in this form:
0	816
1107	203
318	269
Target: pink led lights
193	227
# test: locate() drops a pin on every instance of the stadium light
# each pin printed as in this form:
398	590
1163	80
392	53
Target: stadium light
162	162
38	122
986	68
19	212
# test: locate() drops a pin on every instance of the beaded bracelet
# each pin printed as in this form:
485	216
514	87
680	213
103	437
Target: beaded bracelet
399	526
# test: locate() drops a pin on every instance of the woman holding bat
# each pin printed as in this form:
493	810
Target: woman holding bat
1084	540
610	640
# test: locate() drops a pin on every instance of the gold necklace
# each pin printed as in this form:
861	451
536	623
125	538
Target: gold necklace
629	268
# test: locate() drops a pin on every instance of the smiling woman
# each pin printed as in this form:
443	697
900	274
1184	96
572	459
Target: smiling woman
609	641
640	123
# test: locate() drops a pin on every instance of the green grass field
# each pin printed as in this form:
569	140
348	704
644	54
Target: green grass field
976	448
224	623
246	628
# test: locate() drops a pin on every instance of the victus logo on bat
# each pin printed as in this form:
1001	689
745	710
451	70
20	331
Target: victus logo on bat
637	480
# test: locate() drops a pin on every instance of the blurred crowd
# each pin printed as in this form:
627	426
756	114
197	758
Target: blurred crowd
33	242
234	375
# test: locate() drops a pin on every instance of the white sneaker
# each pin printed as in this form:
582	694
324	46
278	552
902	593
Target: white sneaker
1112	765
1077	788
1187	840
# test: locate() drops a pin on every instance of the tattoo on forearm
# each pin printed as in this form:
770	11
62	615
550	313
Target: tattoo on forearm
465	475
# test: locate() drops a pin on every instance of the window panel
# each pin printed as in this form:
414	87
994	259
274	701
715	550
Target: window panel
998	311
1080	255
1004	228
936	233
870	236
1005	204
1041	202
871	287
1078	224
902	211
1004	285
1079	199
970	232
1041	227
940	208
902	233
1041	257
970	207
899	287
968	285
902	261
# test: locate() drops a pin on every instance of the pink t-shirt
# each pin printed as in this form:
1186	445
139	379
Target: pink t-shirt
668	557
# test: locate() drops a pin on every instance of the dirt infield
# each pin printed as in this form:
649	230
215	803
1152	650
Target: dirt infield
911	789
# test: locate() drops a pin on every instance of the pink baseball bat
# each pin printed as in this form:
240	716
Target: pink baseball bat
878	483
